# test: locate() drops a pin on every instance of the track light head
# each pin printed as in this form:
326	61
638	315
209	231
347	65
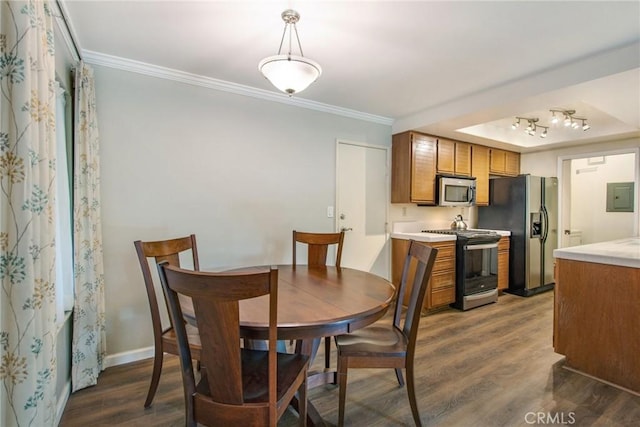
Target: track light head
544	133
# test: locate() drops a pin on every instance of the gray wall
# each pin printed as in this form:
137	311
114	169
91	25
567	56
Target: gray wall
239	172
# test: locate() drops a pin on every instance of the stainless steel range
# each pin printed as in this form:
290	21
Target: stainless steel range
476	267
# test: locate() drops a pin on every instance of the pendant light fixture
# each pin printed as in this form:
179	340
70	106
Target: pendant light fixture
288	72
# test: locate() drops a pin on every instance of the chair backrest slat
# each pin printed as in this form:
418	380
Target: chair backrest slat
318	244
425	257
159	251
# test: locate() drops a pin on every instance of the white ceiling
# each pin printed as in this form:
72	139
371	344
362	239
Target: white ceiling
458	69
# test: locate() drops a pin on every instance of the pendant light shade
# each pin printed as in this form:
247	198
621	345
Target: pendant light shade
290	73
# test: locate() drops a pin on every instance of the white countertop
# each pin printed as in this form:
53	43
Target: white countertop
622	252
434	237
424	237
413	230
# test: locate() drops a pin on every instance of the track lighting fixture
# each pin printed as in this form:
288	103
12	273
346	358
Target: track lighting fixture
532	126
568	118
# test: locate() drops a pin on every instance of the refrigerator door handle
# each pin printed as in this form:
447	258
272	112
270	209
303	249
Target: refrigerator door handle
545	224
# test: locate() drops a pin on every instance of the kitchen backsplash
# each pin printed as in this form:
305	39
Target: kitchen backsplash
430	217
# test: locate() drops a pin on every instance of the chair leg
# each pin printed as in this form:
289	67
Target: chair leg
399	376
342	388
302	404
411	391
327	352
155	376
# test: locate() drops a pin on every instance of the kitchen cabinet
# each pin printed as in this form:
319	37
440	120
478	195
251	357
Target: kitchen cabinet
480	170
413	168
454	158
504	163
443	278
503	263
417	157
512	163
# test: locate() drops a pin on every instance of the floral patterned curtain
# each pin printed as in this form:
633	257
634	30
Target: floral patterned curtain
27	224
89	343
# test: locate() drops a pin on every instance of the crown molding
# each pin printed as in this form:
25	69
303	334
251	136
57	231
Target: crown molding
144	68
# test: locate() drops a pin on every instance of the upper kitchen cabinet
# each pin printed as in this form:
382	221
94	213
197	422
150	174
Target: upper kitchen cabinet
480	170
454	158
413	168
504	163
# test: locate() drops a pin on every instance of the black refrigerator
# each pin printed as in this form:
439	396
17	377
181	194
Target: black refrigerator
527	206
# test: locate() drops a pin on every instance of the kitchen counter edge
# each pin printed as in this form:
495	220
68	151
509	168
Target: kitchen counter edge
434	237
621	252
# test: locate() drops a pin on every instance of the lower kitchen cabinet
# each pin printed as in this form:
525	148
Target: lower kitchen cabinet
503	263
443	278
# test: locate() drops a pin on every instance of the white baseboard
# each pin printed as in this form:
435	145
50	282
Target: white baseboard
62	401
128	357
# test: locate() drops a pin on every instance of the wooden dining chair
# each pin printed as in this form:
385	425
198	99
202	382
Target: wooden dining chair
237	386
390	345
317	248
164	339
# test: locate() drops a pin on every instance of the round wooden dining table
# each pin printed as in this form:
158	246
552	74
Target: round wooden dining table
318	301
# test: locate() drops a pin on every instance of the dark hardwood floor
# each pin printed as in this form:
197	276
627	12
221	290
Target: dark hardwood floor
491	366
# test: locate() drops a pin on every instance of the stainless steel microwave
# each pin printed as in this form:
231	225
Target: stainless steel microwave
456	191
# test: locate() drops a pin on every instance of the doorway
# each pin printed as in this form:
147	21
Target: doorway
362	203
586	213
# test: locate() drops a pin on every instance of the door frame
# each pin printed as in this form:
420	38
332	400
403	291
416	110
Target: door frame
387	193
560	169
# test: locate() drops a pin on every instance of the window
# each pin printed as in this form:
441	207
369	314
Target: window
64	248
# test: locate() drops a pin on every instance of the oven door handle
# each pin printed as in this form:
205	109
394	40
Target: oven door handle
480	295
483	246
